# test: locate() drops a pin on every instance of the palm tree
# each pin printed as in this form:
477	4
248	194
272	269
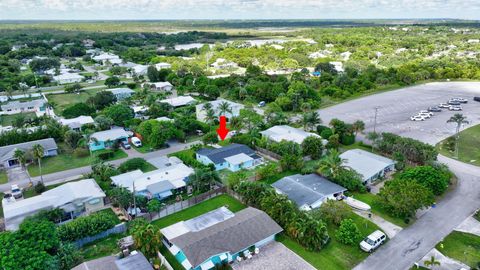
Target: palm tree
331	165
210	116
207	106
242	93
148	239
432	262
313	120
24	88
224	107
37	152
22	159
459	119
358	126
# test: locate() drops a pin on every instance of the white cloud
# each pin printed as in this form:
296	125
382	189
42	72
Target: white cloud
216	9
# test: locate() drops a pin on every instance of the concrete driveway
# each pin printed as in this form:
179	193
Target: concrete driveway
397	106
274	256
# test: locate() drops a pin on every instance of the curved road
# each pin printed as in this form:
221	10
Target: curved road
394	111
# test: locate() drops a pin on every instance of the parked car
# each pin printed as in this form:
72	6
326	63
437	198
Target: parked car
455	108
476	99
443	105
136	142
453	102
16	192
261	104
434	109
417	118
461	100
373	241
126	145
426	112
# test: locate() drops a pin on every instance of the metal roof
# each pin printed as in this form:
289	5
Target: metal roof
218	155
365	163
111	134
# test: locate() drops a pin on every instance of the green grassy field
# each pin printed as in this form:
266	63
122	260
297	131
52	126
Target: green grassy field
466	153
66	161
103	247
7	120
461	246
335	256
62	101
370	199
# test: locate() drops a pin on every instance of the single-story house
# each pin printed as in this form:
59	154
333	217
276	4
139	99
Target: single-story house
106	58
308	191
38	106
163	66
68	78
139	111
233	157
161	86
104	139
370	166
179	101
121	93
164	119
155	184
7	153
140	70
135	261
286	133
218	236
74	198
234	107
77	122
222	63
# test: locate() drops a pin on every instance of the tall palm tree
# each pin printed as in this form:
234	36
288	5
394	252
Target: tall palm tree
210	116
459	119
331	165
242	93
432	262
148	239
207	106
313	120
358	126
224	107
37	152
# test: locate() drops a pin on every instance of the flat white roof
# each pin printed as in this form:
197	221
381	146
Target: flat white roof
287	133
111	134
179	101
82	120
365	163
238	159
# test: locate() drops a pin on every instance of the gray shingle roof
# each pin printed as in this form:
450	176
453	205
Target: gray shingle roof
218	155
307	189
6	152
246	228
160	187
18	104
134	262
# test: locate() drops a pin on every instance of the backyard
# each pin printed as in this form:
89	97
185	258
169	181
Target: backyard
65	160
7	120
461	246
61	101
466	153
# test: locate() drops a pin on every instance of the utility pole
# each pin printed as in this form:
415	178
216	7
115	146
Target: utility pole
375	120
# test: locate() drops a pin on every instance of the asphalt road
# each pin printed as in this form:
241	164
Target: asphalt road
396	107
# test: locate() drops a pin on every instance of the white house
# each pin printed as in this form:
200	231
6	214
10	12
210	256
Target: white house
65	78
308	191
287	133
179	101
222	63
74	198
106	58
338	66
121	93
370	166
234	109
163	65
140	70
155	184
161	86
37	106
77	122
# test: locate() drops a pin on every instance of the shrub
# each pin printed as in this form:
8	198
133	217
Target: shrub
81	152
347	139
348	232
87	226
39	188
77	109
108	154
321	128
326	133
133	164
333	211
435	179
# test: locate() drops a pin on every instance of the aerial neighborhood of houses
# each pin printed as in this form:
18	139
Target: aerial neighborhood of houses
118	153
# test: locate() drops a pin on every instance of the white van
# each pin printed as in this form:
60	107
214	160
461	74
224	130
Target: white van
136	141
373	241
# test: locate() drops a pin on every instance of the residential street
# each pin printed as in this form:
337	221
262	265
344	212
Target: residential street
64	176
413	242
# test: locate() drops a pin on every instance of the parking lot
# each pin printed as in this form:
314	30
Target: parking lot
396	107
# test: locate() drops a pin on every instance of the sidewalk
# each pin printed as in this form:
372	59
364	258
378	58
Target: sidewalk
469	225
389	228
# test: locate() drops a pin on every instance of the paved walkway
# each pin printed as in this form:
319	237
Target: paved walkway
412	243
446	263
68	175
469	225
389	228
274	256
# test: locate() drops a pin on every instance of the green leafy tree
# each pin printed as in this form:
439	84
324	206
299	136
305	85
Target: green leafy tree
19	154
72	138
154	206
333	211
68	256
112	82
348	232
210	137
224	107
203	178
103	122
119	113
148	239
435	179
73	88
312	146
330	166
77	110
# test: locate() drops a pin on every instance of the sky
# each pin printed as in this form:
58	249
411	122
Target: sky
235	9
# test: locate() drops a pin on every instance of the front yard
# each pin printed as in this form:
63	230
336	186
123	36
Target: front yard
466	153
3	177
65	160
7	120
461	246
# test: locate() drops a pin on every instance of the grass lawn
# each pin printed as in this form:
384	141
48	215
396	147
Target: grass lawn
102	247
335	255
62	101
466	153
3	177
461	246
272	179
1	208
199	209
356	145
66	161
370	199
7	120
148	168
30	192
187	156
